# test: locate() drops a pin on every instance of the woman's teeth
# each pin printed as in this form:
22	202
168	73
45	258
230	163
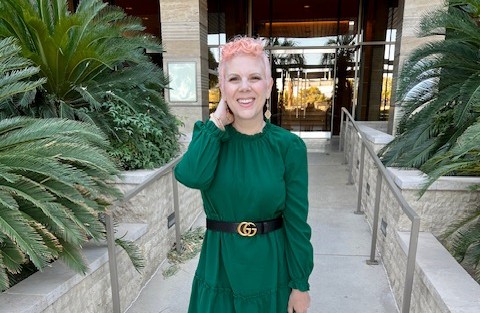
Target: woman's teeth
245	101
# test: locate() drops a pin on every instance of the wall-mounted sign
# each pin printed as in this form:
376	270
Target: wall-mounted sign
183	81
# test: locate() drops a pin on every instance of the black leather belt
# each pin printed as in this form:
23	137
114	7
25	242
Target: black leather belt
246	229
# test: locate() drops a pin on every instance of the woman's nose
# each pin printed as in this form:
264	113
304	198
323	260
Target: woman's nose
245	84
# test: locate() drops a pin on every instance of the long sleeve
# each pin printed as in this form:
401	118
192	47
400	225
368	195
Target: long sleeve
299	248
198	165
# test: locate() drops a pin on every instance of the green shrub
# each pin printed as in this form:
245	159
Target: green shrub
94	64
439	93
53	180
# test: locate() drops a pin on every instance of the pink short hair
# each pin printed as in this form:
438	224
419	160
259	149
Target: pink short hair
238	46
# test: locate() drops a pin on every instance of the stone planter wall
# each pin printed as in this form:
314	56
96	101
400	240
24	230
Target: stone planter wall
153	206
446	201
144	220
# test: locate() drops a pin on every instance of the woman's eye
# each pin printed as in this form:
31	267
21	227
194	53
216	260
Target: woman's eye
256	78
232	79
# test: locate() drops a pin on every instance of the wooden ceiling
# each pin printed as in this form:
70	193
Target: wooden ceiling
304	18
305	10
306	29
298	18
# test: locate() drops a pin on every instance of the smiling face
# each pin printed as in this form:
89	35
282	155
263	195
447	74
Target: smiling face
246	87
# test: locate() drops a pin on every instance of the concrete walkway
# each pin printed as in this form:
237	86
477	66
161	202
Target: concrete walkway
341	281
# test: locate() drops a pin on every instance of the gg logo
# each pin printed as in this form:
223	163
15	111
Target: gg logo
247	229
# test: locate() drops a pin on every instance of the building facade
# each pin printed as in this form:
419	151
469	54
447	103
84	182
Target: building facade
324	55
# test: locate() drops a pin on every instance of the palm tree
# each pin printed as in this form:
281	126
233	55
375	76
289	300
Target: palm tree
439	133
285	61
342	59
96	71
439	91
53	180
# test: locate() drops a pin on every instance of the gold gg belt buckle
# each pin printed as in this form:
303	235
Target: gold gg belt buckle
247	229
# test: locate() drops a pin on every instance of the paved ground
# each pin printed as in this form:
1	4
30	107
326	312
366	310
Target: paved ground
341	281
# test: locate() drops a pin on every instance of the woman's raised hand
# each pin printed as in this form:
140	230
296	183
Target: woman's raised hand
223	113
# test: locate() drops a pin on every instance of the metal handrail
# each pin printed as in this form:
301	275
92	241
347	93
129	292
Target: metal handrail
382	174
112	258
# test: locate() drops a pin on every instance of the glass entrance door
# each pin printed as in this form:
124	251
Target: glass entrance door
311	84
324	56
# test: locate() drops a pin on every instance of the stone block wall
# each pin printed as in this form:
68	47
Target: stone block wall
446	201
83	297
376	140
153	207
143	219
441	283
58	289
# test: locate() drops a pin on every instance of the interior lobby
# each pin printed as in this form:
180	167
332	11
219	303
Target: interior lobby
324	55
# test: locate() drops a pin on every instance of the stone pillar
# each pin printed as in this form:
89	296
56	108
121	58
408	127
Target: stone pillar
406	42
184	27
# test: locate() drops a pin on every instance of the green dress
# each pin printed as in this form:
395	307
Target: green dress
249	178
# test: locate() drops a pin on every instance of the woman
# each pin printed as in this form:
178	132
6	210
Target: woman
256	255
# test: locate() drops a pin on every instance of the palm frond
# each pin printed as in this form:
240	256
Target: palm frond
11	256
53	187
72	256
84	55
438	91
16	70
4	281
73	49
468	141
14	225
463	241
54	172
464	157
134	253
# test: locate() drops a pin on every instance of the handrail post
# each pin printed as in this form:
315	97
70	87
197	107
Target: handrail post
340	143
178	231
412	254
112	262
112	258
360	181
382	174
373	247
350	163
345	159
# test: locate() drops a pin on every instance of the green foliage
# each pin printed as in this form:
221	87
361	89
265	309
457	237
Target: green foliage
463	241
72	49
52	190
133	252
311	95
439	133
53	175
439	91
146	134
15	70
86	55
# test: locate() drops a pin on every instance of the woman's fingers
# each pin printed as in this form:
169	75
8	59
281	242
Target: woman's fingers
223	113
